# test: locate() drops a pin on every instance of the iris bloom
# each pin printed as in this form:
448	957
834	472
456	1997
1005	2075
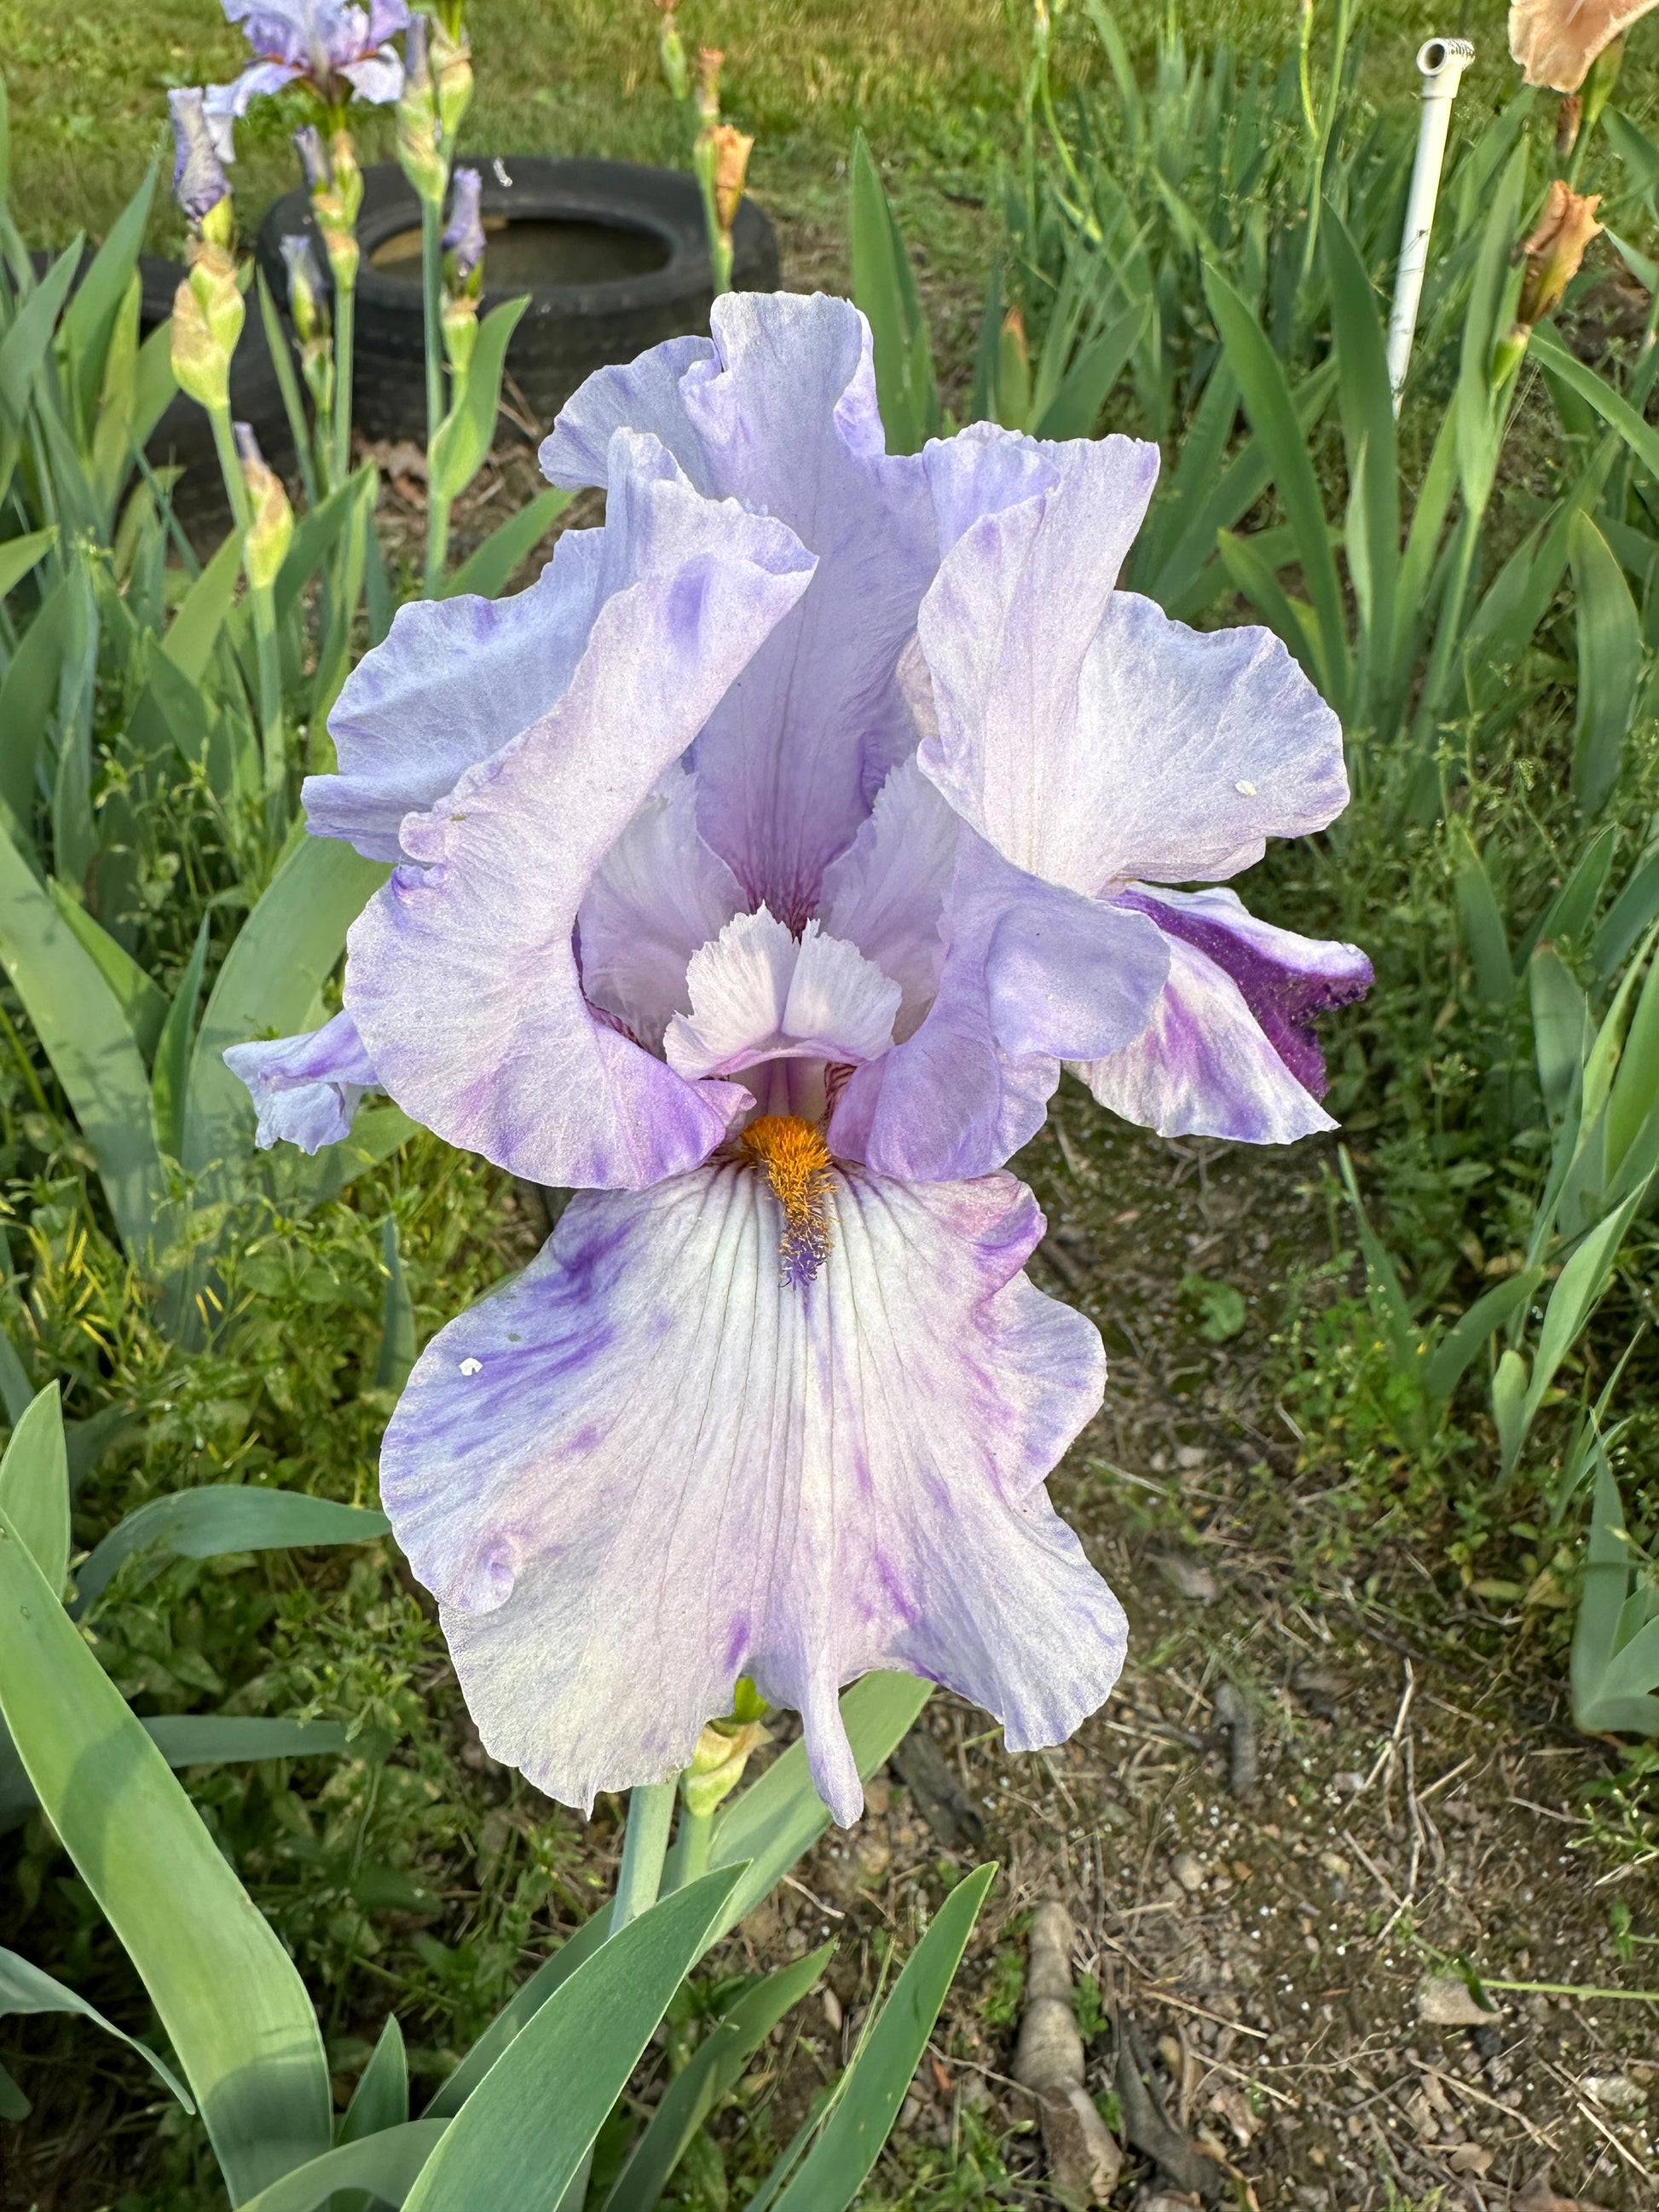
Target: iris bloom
336	49
755	871
202	147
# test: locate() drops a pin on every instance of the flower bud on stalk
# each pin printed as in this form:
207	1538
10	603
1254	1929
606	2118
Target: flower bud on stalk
418	151
452	77
270	529
1553	253
308	305
722	1752
463	251
676	69
335	184
208	310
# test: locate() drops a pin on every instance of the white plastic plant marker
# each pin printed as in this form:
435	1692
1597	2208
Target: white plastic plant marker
1442	62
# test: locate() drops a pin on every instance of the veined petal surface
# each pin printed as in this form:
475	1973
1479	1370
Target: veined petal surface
648	1466
306	1090
1230	1051
780	411
462	973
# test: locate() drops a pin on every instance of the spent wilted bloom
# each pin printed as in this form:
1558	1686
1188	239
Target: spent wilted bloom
1552	255
340	51
732	149
754	873
464	238
1555	41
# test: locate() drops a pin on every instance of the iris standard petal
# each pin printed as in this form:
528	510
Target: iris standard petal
1230	1051
760	992
886	892
659	894
462	974
306	1090
649	1466
780	412
377	78
1196	746
1033	537
1028	967
453	681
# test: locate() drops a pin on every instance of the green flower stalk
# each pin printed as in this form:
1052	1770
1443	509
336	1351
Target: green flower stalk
463	286
672	49
336	186
720	158
308	304
436	95
208	314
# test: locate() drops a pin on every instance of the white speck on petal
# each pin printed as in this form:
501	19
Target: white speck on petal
1244	790
472	1367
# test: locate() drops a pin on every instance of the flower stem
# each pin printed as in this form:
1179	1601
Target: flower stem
261	603
645	1845
432	219
689	1857
345	305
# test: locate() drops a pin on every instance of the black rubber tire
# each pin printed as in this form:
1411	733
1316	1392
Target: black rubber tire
568	330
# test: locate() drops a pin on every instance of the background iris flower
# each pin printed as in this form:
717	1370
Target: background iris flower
757	870
336	49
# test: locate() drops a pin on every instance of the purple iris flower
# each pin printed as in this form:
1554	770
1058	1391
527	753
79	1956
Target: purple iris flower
757	870
464	240
202	145
338	50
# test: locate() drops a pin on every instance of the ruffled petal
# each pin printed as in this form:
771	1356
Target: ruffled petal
643	394
379	78
462	974
1196	747
1029	969
759	992
660	895
780	412
648	1466
886	892
306	1090
453	681
1230	1050
1033	537
231	100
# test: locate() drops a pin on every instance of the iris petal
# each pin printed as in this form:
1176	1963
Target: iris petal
306	1089
1229	1051
462	974
649	1466
781	413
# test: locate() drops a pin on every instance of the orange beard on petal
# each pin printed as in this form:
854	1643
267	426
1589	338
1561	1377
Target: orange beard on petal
796	1160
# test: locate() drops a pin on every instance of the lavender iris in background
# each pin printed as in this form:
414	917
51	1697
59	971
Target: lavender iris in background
757	870
338	50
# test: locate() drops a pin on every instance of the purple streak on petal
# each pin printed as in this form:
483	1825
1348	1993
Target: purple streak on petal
1029	970
462	973
198	176
1284	980
780	412
306	1089
690	1470
453	681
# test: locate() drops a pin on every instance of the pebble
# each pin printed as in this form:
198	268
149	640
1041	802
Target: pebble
1188	1871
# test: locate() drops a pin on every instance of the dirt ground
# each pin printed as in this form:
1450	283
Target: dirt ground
1265	1934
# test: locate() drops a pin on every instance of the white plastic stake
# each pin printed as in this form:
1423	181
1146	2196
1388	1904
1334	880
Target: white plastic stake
1442	62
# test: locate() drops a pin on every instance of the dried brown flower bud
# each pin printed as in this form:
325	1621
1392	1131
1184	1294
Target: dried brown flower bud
1555	41
1555	250
731	151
